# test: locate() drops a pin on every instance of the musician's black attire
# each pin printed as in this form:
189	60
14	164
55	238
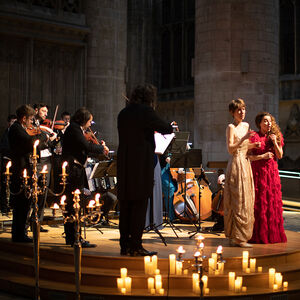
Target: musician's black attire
135	170
21	145
75	151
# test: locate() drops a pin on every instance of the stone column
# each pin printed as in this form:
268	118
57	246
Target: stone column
236	55
106	62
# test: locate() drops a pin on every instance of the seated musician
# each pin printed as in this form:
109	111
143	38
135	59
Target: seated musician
75	151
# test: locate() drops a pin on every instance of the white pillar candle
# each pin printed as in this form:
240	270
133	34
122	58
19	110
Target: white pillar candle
238	284
161	291
157	272
123	291
150	283
252	265
245	254
197	288
172	260
123	272
244	289
278	279
152	292
195	278
285	285
271	277
154	262
120	283
211	266
185	271
245	260
146	264
128	284
204	280
217	272
178	268
206	291
231	279
215	257
248	270
158	285
221	267
275	287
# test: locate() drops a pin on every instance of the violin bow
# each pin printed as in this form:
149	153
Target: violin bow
54	117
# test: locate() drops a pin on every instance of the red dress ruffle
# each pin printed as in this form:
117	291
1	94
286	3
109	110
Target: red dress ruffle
268	225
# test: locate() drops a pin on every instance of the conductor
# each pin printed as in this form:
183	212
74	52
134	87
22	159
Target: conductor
137	123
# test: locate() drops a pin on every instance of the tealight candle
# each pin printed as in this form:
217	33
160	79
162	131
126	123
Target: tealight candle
8	165
123	272
185	271
271	277
275	287
244	289
161	291
123	290
152	291
206	291
285	285
248	270
172	261
157	272
259	269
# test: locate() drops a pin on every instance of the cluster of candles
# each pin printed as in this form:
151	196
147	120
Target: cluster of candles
176	265
275	280
249	265
235	283
216	263
196	285
155	284
150	264
124	283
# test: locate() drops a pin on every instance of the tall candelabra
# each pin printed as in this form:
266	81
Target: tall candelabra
33	190
92	217
199	257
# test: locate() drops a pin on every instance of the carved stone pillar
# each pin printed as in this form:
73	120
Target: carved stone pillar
106	62
236	55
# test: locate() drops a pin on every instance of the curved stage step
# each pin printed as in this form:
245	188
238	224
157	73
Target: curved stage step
100	271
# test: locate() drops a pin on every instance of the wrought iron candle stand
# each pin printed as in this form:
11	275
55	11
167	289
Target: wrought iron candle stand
93	217
33	191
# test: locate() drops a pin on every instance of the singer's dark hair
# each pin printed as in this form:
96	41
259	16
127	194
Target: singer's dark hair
275	129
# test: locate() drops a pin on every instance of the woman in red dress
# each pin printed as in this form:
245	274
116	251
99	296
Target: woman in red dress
268	225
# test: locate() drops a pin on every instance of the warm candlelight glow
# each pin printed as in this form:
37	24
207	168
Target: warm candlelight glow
275	287
220	249
64	167
154	262
34	147
161	291
201	245
123	290
178	268
123	272
231	280
259	269
211	266
252	265
152	291
128	281
180	250
206	291
199	238
197	254
278	279
157	272
238	284
244	289
285	285
150	283
120	283
97	197
25	173
146	264
271	277
204	280
44	170
63	199
91	204
55	206
172	260
8	165
247	270
77	192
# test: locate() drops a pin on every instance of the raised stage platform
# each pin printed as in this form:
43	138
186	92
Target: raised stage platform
101	266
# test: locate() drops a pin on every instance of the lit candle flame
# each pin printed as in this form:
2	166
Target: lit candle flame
180	250
92	204
97	197
197	254
77	192
8	165
219	250
200	238
63	199
25	173
36	143
55	206
201	245
65	163
44	170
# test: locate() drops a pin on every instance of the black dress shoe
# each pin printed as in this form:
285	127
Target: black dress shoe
43	229
141	252
24	239
87	244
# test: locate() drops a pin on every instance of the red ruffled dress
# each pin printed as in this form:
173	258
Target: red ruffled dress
268	225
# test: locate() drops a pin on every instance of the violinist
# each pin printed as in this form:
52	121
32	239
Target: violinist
41	112
75	150
21	145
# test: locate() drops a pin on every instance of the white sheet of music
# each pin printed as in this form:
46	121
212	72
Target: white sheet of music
162	141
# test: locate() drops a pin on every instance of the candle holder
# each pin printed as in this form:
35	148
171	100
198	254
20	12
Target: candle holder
93	217
199	257
33	190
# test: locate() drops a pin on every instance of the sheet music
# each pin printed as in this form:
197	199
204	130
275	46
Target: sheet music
162	142
93	172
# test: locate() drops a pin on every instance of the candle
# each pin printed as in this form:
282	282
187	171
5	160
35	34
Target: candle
161	291
244	289
204	280
252	265
152	292
97	197
219	250
123	291
64	168
172	259
178	268
25	173
271	277
215	257
245	260
248	270
217	272
44	170
231	279
185	271
157	272
195	277
63	199
259	269
91	204
55	206
150	283
206	291
278	279
154	262
238	284
275	287
245	254
158	285
220	266
285	285
123	272
211	266
146	264
34	147
8	165
128	281
120	283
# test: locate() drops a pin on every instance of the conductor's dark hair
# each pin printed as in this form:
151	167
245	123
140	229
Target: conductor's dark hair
81	116
145	94
11	117
24	110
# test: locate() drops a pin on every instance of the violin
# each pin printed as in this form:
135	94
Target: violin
58	124
90	137
32	131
